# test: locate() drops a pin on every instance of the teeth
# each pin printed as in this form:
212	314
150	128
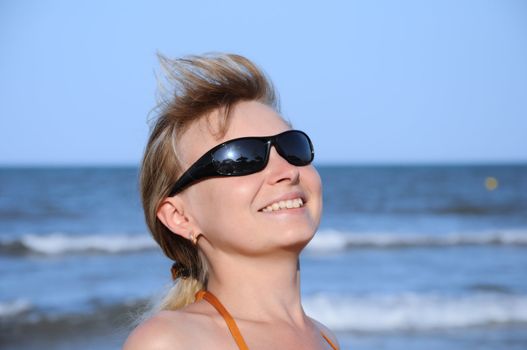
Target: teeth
288	204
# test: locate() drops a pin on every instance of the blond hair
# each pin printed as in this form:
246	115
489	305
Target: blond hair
199	85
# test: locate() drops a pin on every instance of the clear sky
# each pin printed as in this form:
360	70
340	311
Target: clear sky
370	81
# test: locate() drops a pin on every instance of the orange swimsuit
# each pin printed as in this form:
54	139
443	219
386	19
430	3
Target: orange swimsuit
233	328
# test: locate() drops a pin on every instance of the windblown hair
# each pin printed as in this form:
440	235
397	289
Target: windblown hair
198	86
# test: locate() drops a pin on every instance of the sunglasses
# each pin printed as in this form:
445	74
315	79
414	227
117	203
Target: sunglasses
247	155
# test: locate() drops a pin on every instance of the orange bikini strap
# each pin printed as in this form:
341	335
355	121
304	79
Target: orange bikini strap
233	328
329	341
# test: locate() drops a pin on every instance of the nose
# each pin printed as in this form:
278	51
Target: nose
280	170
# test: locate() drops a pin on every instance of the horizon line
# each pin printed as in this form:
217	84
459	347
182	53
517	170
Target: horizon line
322	164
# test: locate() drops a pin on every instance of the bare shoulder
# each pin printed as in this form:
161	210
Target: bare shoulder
327	332
167	330
159	332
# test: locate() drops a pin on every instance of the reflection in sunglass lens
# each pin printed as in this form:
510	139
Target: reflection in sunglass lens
240	157
295	148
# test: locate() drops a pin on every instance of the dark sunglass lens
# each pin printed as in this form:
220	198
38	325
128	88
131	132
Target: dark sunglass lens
240	157
295	147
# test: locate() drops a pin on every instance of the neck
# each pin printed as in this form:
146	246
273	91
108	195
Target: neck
265	288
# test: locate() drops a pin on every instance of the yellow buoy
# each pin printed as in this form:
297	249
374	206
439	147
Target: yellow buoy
491	183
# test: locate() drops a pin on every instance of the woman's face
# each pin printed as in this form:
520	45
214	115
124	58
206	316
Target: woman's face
228	211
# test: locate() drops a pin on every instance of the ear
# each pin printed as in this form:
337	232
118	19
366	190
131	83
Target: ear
171	213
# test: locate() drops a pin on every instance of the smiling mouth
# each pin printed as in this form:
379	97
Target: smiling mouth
284	205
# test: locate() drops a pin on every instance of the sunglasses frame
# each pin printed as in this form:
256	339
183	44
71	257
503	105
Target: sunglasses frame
203	168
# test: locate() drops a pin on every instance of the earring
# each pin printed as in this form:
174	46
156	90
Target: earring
194	239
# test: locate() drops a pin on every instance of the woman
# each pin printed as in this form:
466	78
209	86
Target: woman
230	195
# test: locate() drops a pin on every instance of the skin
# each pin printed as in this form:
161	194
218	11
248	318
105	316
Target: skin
251	253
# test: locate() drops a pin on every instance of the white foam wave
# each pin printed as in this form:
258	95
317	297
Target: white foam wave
334	240
324	241
59	243
415	312
14	307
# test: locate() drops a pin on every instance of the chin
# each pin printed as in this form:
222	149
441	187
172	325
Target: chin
297	239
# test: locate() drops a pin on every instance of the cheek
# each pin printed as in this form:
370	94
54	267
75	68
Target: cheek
222	205
313	184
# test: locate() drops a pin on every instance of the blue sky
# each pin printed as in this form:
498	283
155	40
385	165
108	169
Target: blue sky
370	81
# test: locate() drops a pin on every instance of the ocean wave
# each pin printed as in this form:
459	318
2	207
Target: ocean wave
326	241
60	243
416	312
20	318
333	240
488	209
14	308
348	313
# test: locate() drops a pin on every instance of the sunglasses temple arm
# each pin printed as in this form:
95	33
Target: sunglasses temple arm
201	169
181	183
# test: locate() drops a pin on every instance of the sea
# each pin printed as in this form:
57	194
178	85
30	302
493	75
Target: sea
406	257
